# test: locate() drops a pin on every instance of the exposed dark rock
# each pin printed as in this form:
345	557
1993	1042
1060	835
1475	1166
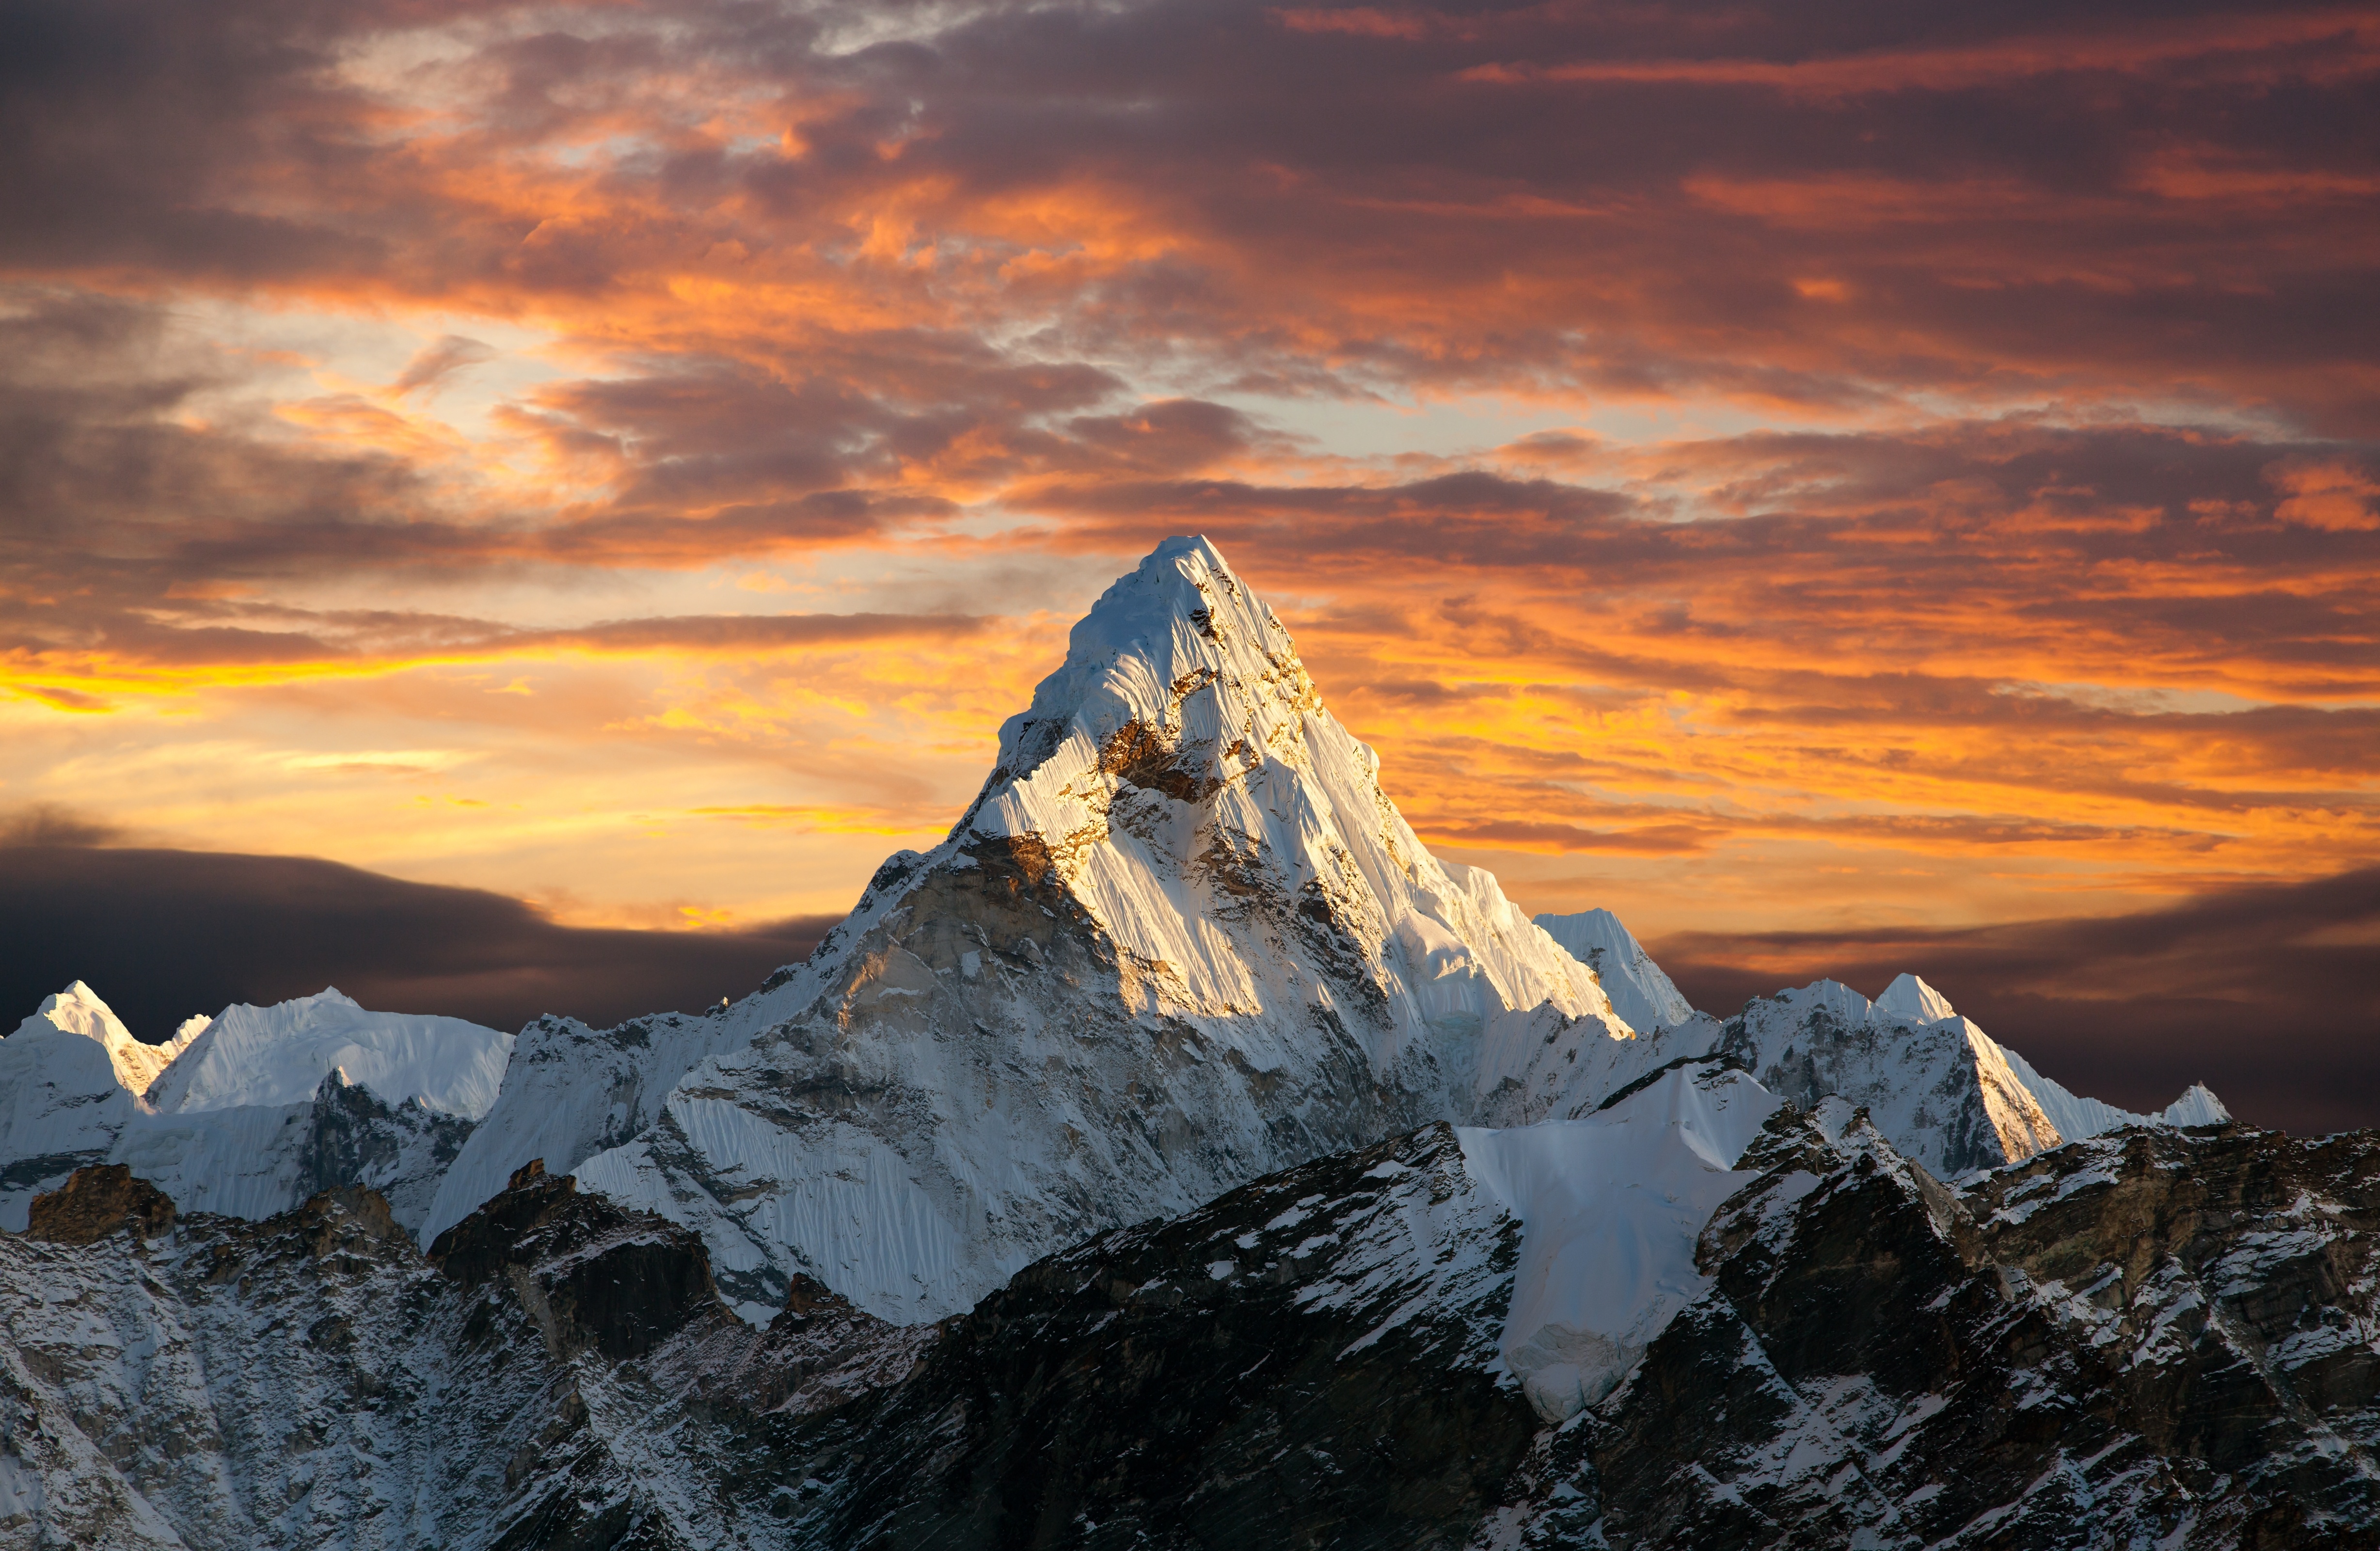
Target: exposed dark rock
99	1200
590	1274
354	1136
2156	1337
1330	1389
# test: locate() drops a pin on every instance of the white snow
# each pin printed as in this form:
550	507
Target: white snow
1181	656
1941	1090
571	1092
63	1096
2197	1105
1610	1207
1640	992
278	1055
2077	1116
1913	1000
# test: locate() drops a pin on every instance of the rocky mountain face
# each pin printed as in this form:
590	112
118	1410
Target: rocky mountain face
2163	1337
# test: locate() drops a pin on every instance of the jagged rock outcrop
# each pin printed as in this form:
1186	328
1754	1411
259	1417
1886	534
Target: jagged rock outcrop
96	1201
2160	1337
1308	1362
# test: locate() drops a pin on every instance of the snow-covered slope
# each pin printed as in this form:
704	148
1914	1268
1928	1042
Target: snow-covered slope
78	1010
1639	991
1610	1207
1182	938
2077	1116
276	1055
570	1092
1942	1090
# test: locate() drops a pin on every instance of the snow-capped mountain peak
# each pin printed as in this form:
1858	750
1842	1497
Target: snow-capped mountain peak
247	1055
78	1010
1912	999
1640	992
1181	937
1181	758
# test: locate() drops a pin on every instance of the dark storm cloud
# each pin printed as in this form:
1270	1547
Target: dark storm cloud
162	934
2269	993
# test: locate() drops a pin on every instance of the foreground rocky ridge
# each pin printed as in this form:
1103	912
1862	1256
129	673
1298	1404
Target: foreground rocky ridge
2159	1337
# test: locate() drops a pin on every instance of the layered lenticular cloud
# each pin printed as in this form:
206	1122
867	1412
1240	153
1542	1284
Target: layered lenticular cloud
1844	465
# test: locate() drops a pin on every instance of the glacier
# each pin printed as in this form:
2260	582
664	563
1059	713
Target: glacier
1610	1207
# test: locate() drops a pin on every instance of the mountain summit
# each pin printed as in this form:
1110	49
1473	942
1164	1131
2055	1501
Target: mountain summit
1181	939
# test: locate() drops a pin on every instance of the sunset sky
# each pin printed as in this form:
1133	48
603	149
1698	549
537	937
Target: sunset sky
1849	485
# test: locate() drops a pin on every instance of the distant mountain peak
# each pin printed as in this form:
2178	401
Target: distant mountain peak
1910	998
78	1010
1640	992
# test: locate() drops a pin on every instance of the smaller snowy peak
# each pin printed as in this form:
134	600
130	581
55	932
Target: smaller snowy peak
1943	1091
1914	1000
78	1010
2078	1117
1640	992
279	1055
2197	1105
66	1092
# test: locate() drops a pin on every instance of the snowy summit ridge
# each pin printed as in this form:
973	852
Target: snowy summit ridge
1182	756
